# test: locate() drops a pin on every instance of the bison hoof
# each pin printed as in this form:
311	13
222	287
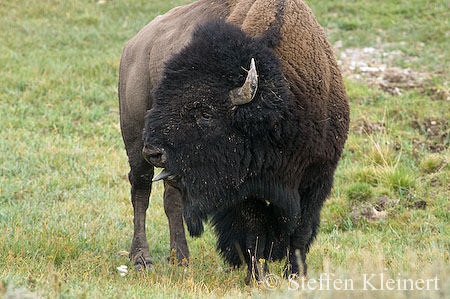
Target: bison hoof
141	260
142	267
257	274
143	264
252	279
291	270
248	279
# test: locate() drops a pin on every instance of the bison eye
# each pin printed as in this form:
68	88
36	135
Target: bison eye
206	116
204	119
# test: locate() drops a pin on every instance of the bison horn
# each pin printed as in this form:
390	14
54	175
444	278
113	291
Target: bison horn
246	93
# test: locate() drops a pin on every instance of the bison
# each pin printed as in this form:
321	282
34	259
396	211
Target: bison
242	104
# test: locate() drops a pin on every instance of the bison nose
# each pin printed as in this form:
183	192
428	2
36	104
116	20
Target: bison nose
154	156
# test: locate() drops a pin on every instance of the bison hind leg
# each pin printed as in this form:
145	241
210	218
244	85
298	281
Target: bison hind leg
312	199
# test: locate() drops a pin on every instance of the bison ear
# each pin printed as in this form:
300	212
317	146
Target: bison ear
246	93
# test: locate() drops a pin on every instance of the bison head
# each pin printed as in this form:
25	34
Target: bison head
218	124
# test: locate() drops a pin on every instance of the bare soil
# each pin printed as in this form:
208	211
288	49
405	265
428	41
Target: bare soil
377	67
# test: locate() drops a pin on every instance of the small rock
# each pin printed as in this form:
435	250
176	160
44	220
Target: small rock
123	270
369	69
361	64
368	50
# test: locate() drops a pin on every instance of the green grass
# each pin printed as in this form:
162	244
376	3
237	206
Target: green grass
65	214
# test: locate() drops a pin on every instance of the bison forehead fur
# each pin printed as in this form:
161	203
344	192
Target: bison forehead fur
260	171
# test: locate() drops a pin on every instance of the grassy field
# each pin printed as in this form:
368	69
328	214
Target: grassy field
65	213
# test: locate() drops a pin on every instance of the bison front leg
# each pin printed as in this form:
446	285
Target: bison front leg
173	207
140	193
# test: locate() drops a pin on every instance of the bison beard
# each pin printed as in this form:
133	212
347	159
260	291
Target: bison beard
260	171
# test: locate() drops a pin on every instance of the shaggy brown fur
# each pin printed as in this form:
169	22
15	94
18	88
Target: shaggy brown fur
307	59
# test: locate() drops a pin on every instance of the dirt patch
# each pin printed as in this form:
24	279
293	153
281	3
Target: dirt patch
437	132
437	94
433	147
368	213
363	126
376	66
384	202
419	204
373	212
433	128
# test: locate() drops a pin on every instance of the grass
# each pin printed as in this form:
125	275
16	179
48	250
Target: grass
65	214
